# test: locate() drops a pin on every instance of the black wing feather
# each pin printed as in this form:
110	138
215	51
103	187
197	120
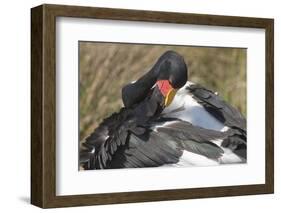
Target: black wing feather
225	113
149	151
116	144
194	139
215	105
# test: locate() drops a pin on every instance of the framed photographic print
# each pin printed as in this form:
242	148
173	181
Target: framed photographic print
135	106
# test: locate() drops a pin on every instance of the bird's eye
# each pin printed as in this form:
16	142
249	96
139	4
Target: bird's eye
172	82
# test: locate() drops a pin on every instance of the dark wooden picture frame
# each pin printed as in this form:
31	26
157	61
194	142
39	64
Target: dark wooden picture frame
43	105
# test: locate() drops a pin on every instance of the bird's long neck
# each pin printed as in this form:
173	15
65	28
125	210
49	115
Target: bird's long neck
137	91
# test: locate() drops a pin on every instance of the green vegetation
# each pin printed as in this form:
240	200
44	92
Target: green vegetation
106	67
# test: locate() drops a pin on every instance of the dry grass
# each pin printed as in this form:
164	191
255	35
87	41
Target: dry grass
106	67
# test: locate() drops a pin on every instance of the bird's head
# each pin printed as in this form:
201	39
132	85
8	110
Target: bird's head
169	74
172	74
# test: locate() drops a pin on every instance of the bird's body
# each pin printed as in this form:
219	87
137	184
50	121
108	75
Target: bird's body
188	108
197	128
185	107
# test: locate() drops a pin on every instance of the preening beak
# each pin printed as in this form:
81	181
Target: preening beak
170	96
167	91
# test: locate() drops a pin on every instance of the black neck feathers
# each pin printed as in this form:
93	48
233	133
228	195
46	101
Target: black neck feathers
170	66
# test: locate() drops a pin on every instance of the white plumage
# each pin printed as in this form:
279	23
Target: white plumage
186	108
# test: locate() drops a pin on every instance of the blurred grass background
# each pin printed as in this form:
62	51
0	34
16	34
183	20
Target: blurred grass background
106	67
